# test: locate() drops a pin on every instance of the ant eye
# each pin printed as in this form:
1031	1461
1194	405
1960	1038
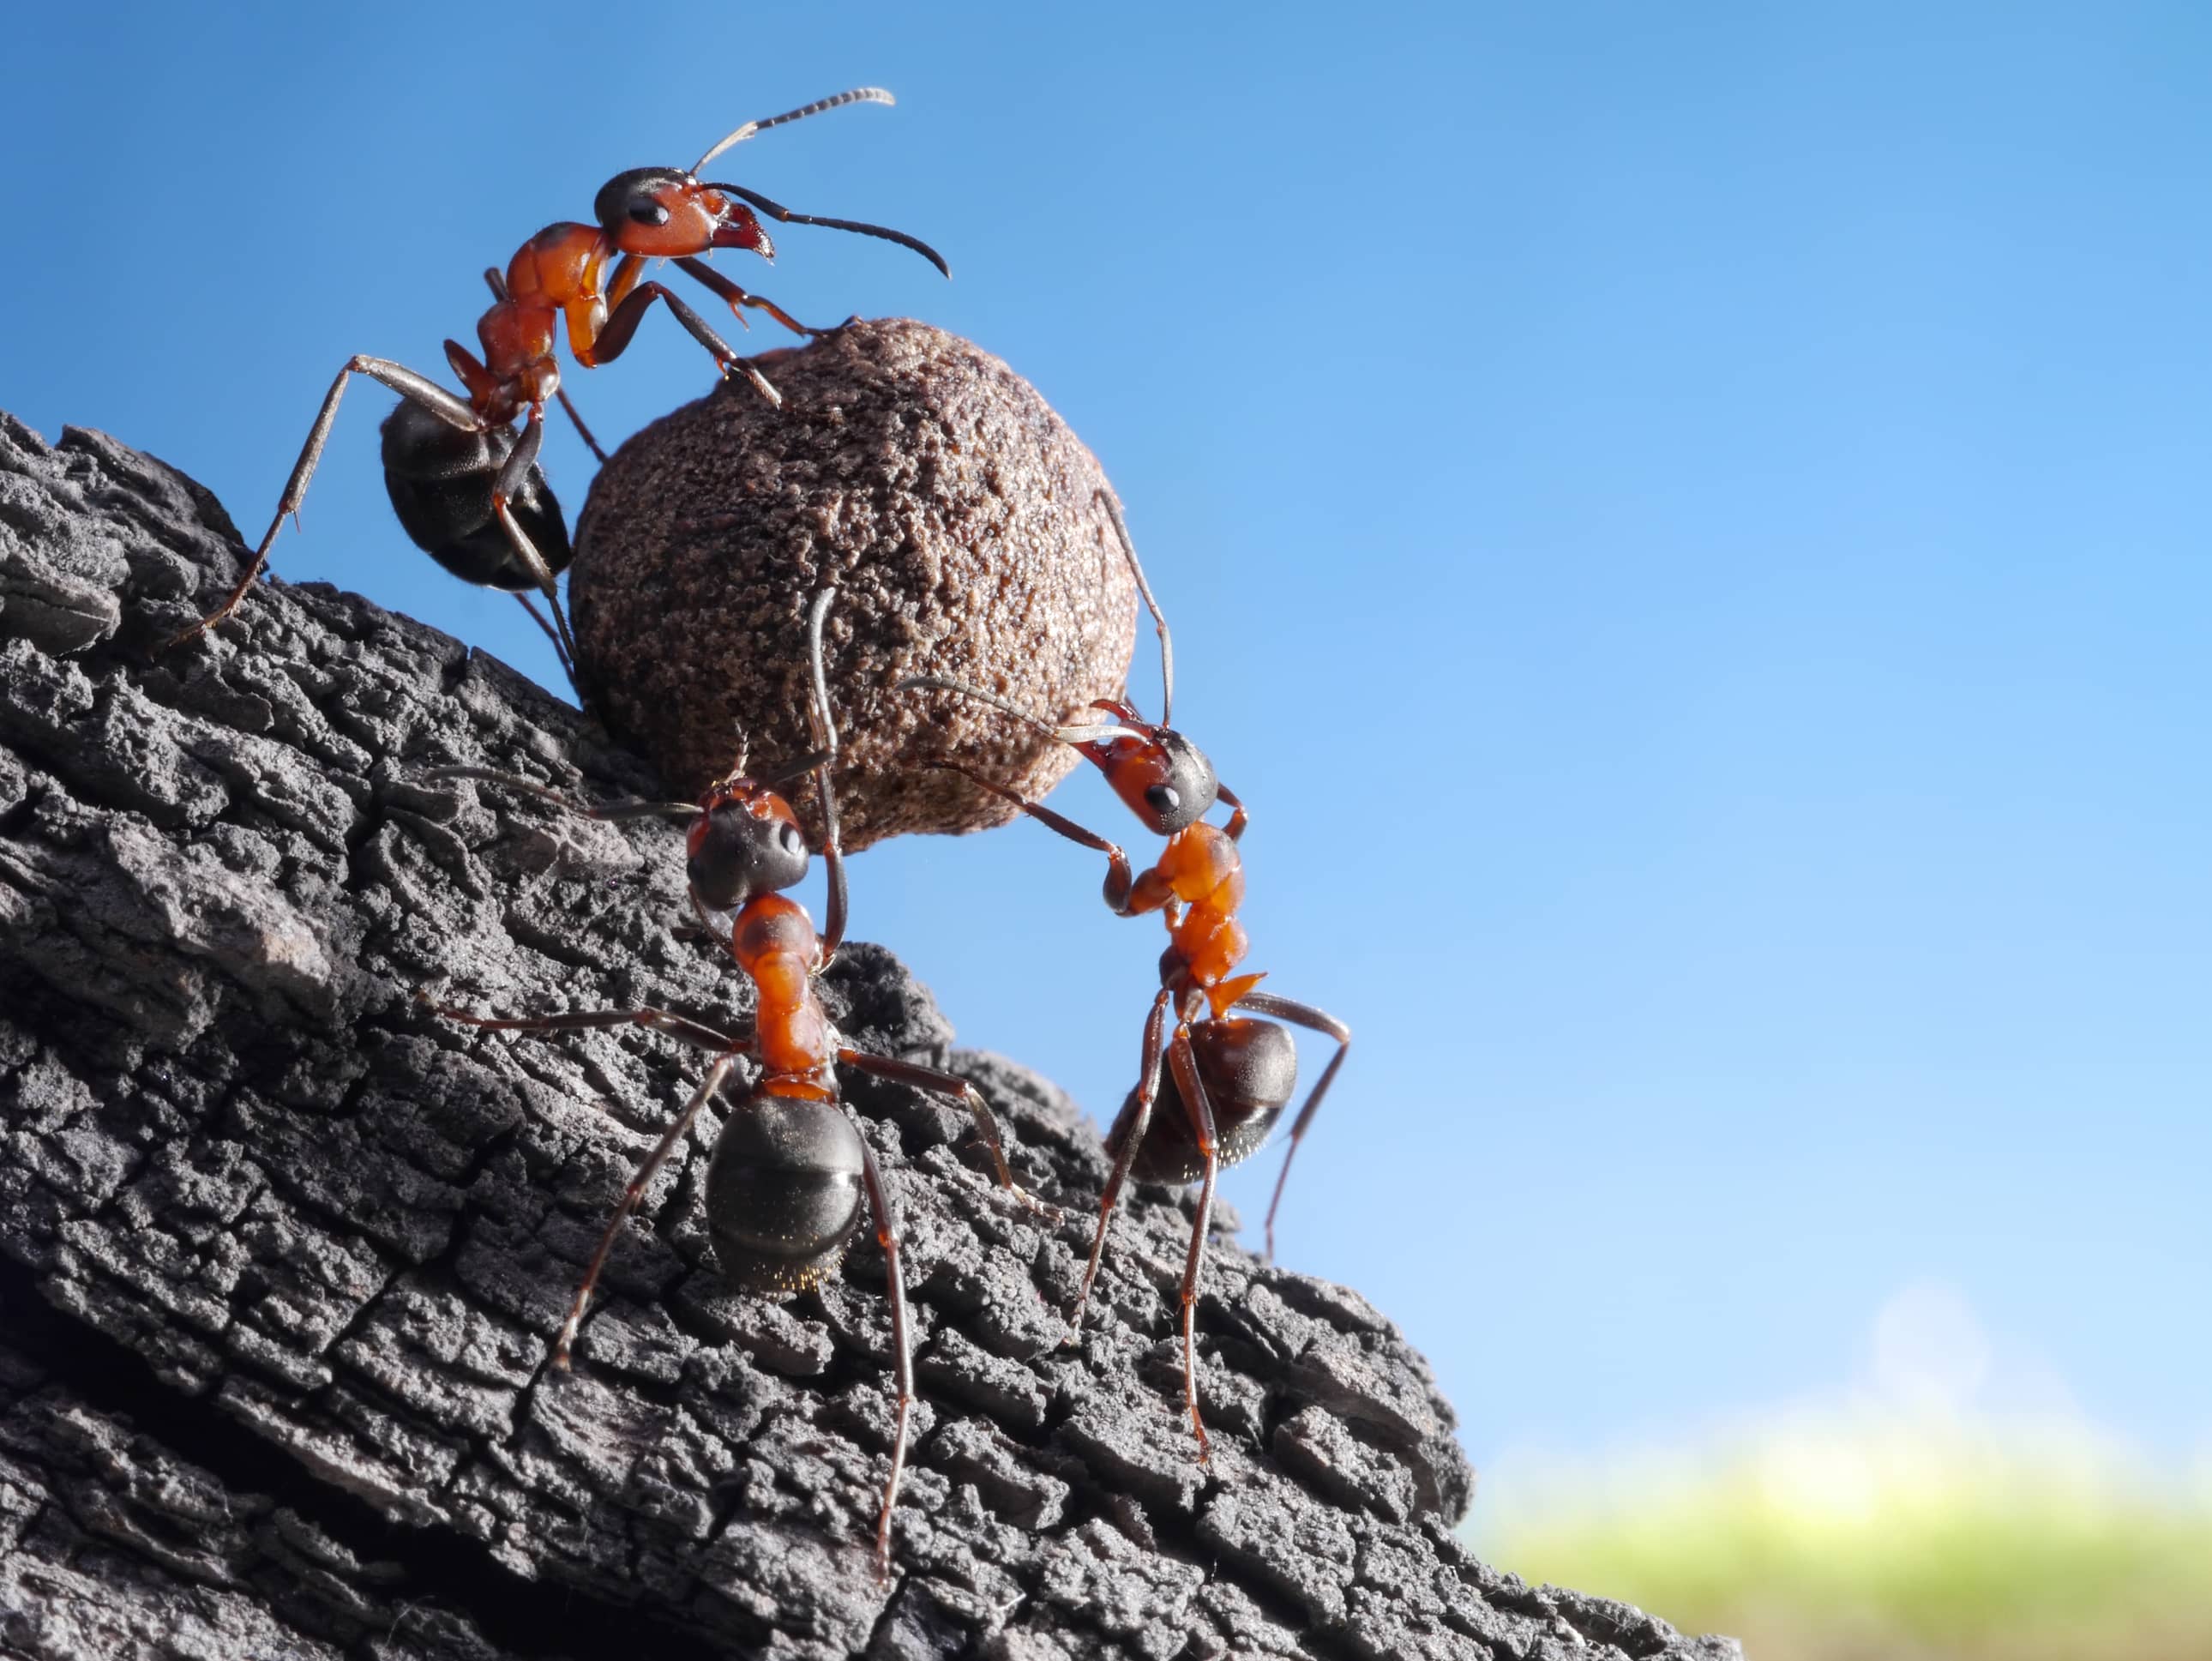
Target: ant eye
648	212
789	837
1162	799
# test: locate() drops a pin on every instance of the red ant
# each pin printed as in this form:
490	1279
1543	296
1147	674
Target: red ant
1229	1078
785	1179
441	450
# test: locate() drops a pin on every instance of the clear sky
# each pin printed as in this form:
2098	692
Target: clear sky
1687	524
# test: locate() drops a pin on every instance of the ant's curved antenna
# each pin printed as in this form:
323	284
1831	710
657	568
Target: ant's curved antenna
614	810
1159	622
821	727
835	100
778	211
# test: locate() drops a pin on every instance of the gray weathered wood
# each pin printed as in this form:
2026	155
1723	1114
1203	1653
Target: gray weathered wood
282	1251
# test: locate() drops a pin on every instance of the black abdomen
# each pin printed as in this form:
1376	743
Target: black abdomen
1249	1069
783	1192
439	480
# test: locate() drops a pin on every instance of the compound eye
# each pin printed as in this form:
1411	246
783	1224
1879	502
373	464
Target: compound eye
1162	799
646	211
792	841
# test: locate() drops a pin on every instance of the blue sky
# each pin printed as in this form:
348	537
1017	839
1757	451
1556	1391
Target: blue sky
1688	526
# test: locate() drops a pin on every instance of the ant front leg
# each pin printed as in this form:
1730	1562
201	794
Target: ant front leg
1314	1020
953	1085
1185	1062
1122	890
1133	1126
400	379
887	1236
631	1194
613	336
738	298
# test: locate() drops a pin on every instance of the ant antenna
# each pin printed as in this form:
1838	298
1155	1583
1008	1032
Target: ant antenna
613	810
823	727
1159	622
857	96
820	726
1090	732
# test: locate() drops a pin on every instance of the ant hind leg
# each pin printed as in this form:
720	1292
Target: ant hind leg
400	379
1314	1020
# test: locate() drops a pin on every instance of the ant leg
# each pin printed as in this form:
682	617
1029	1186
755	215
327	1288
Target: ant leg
1185	1063
1133	1125
581	1020
512	474
631	1195
1314	1020
700	270
614	810
582	431
614	337
1237	820
887	1236
947	1084
401	379
1120	880
559	650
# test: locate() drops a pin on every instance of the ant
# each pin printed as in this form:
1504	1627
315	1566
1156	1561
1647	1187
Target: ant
440	452
1228	1077
785	1182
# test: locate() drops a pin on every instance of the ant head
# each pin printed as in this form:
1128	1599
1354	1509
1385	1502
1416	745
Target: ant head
745	843
664	212
1164	778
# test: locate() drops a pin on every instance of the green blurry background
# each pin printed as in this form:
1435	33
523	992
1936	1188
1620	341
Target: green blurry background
1897	1518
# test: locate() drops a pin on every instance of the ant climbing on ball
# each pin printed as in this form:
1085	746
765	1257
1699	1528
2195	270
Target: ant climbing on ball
1228	1077
790	1168
465	485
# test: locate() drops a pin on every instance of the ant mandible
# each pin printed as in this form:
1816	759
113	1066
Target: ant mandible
1229	1077
441	450
788	1170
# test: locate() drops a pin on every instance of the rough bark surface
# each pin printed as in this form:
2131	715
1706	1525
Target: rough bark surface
280	1251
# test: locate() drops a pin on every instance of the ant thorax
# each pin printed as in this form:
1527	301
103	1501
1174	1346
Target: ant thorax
774	943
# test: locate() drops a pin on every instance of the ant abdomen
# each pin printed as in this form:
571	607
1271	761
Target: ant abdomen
783	1192
1249	1069
440	479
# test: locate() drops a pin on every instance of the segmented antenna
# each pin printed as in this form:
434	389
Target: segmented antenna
1159	622
857	96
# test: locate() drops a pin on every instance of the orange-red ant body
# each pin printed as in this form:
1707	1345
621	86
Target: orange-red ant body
788	1172
465	485
1229	1077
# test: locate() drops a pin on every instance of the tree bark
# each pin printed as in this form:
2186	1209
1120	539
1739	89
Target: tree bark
283	1250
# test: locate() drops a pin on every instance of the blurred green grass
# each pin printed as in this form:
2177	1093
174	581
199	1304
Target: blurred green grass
1853	1536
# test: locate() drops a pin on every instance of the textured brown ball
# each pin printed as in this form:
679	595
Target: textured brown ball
956	517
